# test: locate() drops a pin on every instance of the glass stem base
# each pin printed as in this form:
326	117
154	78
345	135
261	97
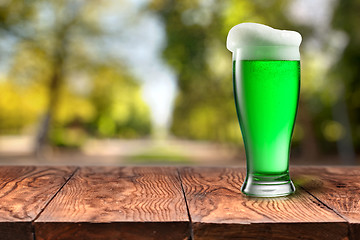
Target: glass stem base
268	186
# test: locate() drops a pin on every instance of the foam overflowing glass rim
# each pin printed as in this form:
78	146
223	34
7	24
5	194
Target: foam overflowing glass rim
253	41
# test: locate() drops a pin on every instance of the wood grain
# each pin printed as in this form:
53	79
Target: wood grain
16	230
117	203
24	192
220	211
148	203
338	188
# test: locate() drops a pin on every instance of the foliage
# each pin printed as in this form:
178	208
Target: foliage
346	18
196	33
20	106
204	107
63	64
61	79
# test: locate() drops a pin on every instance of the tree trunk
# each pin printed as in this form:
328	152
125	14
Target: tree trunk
309	145
56	80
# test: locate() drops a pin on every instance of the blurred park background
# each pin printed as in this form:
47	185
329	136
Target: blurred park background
149	81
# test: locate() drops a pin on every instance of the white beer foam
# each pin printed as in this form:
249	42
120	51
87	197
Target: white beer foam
253	41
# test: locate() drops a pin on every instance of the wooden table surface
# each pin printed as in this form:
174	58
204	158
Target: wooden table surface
39	202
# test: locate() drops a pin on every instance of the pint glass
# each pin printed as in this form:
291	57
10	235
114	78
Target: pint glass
266	97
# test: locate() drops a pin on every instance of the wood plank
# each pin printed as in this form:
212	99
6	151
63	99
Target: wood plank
16	230
338	188
117	203
220	211
24	192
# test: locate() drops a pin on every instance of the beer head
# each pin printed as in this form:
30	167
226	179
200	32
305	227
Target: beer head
253	41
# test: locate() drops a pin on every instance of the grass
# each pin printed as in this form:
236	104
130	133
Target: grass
160	154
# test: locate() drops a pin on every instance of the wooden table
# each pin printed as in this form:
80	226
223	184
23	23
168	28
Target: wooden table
174	203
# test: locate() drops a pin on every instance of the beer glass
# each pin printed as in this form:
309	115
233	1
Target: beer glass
266	97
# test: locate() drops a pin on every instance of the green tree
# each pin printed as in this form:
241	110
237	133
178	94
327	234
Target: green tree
54	42
204	107
196	32
346	70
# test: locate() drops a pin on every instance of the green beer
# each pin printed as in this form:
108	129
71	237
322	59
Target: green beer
266	98
266	81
